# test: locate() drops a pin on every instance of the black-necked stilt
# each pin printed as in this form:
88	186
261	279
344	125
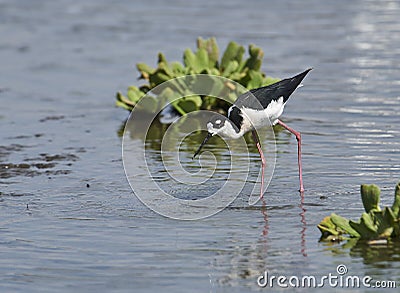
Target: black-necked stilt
247	114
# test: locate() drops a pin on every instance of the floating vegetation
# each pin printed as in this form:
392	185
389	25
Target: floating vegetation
376	225
206	60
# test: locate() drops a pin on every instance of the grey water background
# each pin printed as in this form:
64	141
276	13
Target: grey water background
63	61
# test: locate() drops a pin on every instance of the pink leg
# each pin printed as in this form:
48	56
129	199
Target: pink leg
263	163
298	137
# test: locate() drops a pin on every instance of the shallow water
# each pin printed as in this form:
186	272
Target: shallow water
69	220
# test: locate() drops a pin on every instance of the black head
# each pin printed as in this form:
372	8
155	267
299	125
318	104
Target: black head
216	123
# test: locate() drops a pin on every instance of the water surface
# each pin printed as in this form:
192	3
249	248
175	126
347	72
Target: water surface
69	220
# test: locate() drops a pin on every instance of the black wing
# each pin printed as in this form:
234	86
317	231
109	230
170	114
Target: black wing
264	95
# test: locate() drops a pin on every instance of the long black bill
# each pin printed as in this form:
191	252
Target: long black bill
203	143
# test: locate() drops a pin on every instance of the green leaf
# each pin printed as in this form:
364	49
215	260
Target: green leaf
189	58
213	52
189	104
343	225
255	79
217	87
158	77
368	220
123	105
231	97
396	229
370	195
396	203
208	102
197	100
161	58
232	52
215	71
145	70
148	104
238	76
201	43
327	227
177	68
201	60
212	49
123	102
196	62
170	96
232	66
384	221
134	94
255	59
242	64
137	98
365	227
165	69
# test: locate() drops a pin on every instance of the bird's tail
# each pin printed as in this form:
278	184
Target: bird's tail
283	88
291	84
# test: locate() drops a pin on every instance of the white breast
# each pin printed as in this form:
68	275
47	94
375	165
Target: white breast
255	119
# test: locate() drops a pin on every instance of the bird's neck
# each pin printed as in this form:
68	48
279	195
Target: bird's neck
230	132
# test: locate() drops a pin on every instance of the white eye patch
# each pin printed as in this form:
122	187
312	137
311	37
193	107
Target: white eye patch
218	121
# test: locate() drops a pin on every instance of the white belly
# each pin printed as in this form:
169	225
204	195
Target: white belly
257	119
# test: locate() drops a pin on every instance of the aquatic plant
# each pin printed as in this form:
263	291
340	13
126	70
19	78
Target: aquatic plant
232	65
375	223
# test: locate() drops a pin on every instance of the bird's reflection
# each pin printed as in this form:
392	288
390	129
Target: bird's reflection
265	217
304	225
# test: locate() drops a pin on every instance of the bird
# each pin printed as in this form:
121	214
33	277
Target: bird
254	109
